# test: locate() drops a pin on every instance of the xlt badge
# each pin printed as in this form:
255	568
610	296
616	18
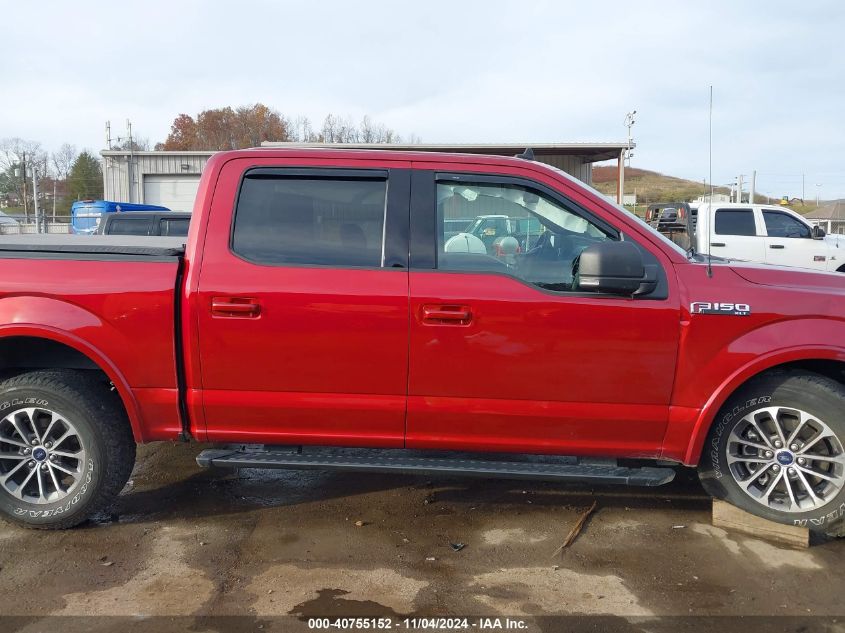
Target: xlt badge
729	309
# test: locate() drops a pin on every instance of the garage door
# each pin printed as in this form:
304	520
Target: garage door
177	193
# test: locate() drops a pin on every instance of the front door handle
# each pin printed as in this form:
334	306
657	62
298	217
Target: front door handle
446	315
235	307
717	243
776	246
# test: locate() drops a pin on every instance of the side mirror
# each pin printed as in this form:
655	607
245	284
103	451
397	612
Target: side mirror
615	268
818	233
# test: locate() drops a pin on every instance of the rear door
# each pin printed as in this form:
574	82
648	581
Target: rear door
789	242
303	304
737	235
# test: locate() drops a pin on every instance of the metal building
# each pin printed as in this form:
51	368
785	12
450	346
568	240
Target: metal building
171	178
831	217
166	178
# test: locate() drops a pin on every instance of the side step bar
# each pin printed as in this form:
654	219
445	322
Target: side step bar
457	466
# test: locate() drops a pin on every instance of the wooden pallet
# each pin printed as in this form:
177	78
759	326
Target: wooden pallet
732	518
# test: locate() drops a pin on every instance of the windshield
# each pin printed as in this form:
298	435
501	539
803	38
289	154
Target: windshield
639	220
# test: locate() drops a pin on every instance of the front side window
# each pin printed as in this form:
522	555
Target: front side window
735	222
310	221
511	229
782	225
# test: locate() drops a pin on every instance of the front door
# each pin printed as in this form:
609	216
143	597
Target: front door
505	354
789	242
303	305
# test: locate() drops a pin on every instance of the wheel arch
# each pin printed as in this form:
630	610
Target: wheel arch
54	348
825	360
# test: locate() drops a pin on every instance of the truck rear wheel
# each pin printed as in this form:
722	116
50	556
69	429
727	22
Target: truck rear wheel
776	450
66	448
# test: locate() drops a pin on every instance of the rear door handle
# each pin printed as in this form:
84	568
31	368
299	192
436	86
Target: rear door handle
235	307
446	315
717	243
776	246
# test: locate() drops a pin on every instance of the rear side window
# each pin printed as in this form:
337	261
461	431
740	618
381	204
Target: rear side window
129	226
735	222
782	225
310	221
175	227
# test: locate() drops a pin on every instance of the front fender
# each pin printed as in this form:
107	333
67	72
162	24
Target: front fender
750	355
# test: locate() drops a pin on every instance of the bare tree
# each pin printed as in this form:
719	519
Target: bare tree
14	151
301	130
248	126
20	155
63	160
329	133
137	144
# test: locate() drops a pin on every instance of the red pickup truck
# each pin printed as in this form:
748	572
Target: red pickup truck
318	304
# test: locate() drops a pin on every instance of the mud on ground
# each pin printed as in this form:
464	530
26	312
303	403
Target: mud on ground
190	542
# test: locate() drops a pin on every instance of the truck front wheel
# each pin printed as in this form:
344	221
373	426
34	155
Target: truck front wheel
776	450
66	448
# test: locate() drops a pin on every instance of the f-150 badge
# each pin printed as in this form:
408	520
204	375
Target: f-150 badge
728	309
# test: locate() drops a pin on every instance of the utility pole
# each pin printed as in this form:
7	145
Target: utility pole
35	198
620	189
23	171
131	161
753	186
802	188
739	190
54	199
629	123
623	155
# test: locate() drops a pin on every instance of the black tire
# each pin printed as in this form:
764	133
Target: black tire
97	414
813	393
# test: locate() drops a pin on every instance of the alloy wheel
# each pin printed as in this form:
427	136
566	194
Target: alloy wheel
42	455
786	459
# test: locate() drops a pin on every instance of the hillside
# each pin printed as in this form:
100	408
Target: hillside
650	186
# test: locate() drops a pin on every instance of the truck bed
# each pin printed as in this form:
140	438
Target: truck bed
110	297
92	246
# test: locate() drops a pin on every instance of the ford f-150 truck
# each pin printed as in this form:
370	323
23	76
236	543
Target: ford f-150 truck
315	306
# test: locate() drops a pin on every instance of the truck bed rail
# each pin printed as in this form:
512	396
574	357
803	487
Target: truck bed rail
90	245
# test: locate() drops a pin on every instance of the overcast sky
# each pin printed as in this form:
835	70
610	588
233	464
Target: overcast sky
454	72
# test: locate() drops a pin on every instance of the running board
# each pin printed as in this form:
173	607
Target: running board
583	473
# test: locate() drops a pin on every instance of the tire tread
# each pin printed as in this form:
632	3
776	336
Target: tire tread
92	395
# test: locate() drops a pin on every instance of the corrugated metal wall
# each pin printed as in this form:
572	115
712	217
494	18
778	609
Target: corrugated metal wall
117	185
573	165
116	172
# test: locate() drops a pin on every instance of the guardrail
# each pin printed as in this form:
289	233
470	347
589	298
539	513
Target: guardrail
27	228
19	224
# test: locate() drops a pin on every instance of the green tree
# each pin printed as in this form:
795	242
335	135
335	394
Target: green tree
86	178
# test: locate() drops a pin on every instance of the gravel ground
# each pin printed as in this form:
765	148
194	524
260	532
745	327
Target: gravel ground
188	542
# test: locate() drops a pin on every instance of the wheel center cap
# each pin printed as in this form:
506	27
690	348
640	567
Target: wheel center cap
39	454
785	458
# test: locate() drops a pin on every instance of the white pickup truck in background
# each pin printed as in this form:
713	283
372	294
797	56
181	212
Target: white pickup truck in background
766	234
